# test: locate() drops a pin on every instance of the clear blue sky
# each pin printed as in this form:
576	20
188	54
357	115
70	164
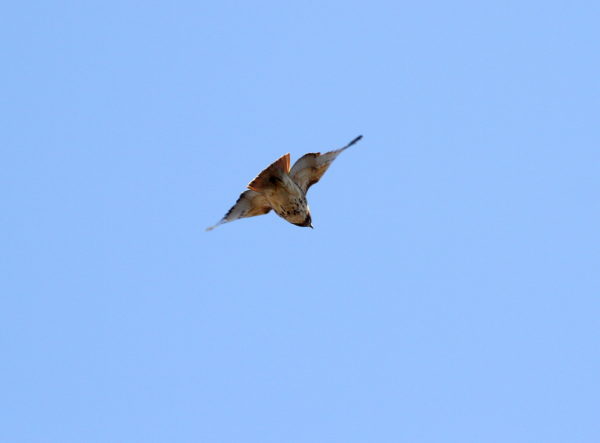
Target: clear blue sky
448	293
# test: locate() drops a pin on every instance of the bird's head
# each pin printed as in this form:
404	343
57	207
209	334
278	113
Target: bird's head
307	223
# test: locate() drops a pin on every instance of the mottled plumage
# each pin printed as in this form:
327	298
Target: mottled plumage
283	189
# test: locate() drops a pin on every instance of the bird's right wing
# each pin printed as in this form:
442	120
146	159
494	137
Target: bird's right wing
249	204
309	168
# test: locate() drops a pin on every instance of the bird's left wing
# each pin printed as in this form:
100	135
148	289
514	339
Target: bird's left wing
309	168
249	204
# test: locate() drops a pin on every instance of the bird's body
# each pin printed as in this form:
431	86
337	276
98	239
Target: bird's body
288	201
283	189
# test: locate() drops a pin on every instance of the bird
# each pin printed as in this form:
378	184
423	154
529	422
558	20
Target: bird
283	189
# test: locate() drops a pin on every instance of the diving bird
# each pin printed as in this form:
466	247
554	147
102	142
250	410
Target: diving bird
283	189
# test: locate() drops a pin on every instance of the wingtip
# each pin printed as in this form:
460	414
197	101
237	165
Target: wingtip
210	228
357	139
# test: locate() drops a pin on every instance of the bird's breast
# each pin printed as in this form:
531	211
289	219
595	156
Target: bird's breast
288	200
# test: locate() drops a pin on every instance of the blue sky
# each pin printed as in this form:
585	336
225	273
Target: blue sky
448	293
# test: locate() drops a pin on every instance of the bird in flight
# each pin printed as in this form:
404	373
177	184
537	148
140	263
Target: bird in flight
283	189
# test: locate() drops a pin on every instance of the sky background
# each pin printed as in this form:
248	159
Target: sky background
448	293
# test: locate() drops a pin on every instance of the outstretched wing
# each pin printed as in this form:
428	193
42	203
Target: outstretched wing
309	168
249	204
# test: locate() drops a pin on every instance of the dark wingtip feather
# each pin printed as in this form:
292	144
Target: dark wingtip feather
353	141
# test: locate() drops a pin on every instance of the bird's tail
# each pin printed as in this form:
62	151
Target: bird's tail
272	174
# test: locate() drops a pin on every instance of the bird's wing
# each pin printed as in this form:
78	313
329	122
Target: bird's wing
249	204
309	168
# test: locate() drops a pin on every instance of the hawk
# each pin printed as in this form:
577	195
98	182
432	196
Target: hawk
283	189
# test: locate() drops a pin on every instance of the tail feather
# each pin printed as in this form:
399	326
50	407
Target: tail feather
272	174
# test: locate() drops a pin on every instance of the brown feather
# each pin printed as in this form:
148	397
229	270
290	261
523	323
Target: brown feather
273	173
